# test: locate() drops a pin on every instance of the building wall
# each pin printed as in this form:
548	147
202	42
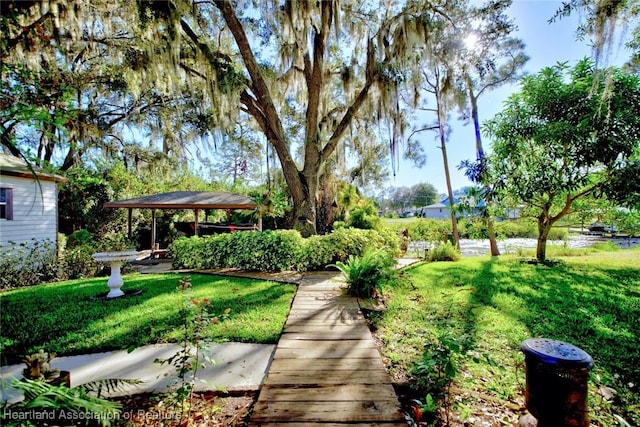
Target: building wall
438	213
34	211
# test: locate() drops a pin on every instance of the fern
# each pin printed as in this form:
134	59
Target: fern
108	385
38	394
368	274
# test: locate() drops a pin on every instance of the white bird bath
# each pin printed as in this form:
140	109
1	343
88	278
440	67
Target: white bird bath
115	260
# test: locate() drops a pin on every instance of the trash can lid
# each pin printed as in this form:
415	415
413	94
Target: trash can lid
556	352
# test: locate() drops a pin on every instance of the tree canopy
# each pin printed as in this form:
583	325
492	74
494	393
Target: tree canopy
568	133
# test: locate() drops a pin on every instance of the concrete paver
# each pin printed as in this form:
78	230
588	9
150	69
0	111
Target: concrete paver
238	366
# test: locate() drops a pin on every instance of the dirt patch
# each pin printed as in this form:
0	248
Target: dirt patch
208	409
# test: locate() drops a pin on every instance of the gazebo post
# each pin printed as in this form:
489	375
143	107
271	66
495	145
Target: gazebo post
153	231
196	212
129	220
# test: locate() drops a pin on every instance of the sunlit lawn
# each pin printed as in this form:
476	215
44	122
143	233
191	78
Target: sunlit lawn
492	305
63	317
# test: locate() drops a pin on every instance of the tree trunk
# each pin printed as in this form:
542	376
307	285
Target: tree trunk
544	227
454	222
493	244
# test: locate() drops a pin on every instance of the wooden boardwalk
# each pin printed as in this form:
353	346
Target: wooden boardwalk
326	368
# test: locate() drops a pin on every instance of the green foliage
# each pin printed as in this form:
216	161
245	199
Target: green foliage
566	135
77	262
80	201
437	368
79	238
427	229
75	403
443	251
356	211
278	250
28	263
367	275
249	250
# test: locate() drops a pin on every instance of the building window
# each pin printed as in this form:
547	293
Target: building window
6	203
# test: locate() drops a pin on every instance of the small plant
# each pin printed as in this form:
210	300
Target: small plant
436	370
367	275
39	367
189	359
443	251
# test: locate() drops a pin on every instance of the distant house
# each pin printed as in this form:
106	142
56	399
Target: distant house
437	210
28	202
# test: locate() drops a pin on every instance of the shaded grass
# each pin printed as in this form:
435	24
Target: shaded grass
592	301
63	317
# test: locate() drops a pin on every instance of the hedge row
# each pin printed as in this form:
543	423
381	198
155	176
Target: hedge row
278	250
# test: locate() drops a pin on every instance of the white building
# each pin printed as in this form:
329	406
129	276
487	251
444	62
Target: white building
28	203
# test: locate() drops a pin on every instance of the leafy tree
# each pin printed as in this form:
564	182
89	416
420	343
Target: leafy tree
565	135
490	59
423	194
330	70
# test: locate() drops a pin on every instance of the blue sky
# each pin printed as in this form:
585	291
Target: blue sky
546	45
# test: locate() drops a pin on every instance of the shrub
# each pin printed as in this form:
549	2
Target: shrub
278	250
79	238
248	250
430	230
473	228
28	263
265	251
367	275
443	251
77	262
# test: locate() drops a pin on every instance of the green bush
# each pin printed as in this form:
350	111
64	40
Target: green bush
79	238
519	228
77	262
265	251
278	250
28	263
443	251
429	229
472	228
366	275
248	250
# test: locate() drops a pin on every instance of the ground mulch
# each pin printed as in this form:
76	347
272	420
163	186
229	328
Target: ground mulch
208	409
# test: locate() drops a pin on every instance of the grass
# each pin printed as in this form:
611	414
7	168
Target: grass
492	305
63	317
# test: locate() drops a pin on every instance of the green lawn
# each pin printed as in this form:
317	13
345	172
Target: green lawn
63	317
489	306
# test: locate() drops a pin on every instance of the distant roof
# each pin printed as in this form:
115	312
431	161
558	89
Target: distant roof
16	166
188	200
435	206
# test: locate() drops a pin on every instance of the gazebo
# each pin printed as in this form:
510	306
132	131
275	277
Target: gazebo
196	200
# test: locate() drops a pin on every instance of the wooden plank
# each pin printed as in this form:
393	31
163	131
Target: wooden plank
325	345
326	314
355	411
323	377
328	393
319	321
346	364
316	353
349	334
301	326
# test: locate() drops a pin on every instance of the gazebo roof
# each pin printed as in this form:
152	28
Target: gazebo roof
188	200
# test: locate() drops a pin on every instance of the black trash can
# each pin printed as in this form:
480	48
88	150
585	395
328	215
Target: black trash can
557	379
